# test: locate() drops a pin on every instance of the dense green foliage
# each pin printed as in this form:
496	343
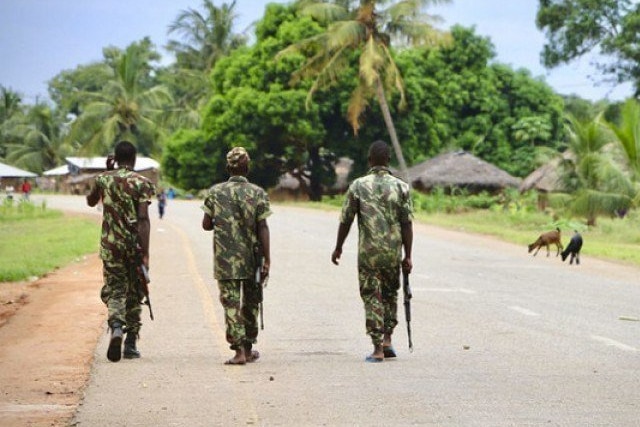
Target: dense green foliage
455	99
574	28
220	92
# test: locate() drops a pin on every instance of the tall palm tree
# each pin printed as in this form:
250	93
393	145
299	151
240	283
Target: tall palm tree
628	135
37	142
591	174
10	109
367	29
125	108
208	36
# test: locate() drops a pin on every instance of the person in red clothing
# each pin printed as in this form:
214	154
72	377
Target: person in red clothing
26	189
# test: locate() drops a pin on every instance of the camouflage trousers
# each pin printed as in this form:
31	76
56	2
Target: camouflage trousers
120	294
240	301
379	293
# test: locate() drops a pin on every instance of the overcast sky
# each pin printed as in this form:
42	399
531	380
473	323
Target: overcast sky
40	38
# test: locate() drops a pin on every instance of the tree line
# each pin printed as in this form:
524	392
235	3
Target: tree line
320	81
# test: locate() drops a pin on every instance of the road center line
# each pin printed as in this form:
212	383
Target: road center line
524	311
613	343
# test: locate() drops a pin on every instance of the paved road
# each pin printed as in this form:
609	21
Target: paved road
501	338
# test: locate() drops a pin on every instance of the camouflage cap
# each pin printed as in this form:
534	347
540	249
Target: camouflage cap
237	156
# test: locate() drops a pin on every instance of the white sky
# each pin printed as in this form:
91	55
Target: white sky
40	38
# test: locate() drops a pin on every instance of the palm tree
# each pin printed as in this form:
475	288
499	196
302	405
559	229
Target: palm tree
10	112
591	174
209	36
125	108
366	30
628	135
37	140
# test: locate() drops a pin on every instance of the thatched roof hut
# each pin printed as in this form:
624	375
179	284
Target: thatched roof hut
462	170
546	178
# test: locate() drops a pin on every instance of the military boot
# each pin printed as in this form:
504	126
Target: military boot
114	353
130	350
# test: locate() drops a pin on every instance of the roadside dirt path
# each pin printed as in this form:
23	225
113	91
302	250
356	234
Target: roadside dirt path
48	333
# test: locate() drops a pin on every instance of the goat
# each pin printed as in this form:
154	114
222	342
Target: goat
573	248
546	239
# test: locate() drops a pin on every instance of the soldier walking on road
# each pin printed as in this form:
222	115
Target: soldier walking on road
237	212
125	196
382	203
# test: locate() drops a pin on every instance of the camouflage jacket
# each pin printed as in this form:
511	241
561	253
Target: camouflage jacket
121	191
236	207
382	203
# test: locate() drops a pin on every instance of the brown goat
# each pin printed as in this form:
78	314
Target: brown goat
546	239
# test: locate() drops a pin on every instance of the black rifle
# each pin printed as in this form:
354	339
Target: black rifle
259	283
406	290
143	285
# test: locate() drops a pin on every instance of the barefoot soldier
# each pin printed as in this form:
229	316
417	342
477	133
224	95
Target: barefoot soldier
237	212
383	205
125	196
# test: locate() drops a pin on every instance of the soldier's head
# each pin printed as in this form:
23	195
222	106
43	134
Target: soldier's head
379	154
125	154
238	161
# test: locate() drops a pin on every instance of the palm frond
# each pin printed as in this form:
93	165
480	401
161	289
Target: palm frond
628	134
371	61
358	103
328	73
323	12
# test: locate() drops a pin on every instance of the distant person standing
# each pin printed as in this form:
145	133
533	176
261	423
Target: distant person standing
162	202
237	212
26	189
125	196
383	206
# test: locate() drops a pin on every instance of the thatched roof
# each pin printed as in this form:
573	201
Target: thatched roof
546	178
460	169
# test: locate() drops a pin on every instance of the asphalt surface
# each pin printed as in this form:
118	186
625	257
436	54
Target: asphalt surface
501	338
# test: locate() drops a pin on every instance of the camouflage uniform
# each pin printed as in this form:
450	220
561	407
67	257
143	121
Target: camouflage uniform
121	191
382	203
236	207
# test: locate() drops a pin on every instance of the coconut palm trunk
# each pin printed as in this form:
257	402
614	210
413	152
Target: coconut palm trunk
386	113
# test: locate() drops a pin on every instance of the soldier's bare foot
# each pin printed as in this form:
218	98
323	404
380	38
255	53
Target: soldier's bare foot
253	356
238	359
377	355
386	340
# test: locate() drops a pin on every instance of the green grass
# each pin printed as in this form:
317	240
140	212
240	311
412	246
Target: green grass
35	240
611	239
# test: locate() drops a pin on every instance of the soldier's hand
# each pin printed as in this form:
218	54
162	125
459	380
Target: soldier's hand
264	273
111	162
335	256
407	265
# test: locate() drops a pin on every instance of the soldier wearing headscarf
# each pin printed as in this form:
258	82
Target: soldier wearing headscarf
237	212
383	206
125	196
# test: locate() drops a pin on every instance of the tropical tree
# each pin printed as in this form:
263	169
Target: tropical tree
591	173
129	106
205	37
37	141
364	28
208	35
255	107
10	109
574	28
628	135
